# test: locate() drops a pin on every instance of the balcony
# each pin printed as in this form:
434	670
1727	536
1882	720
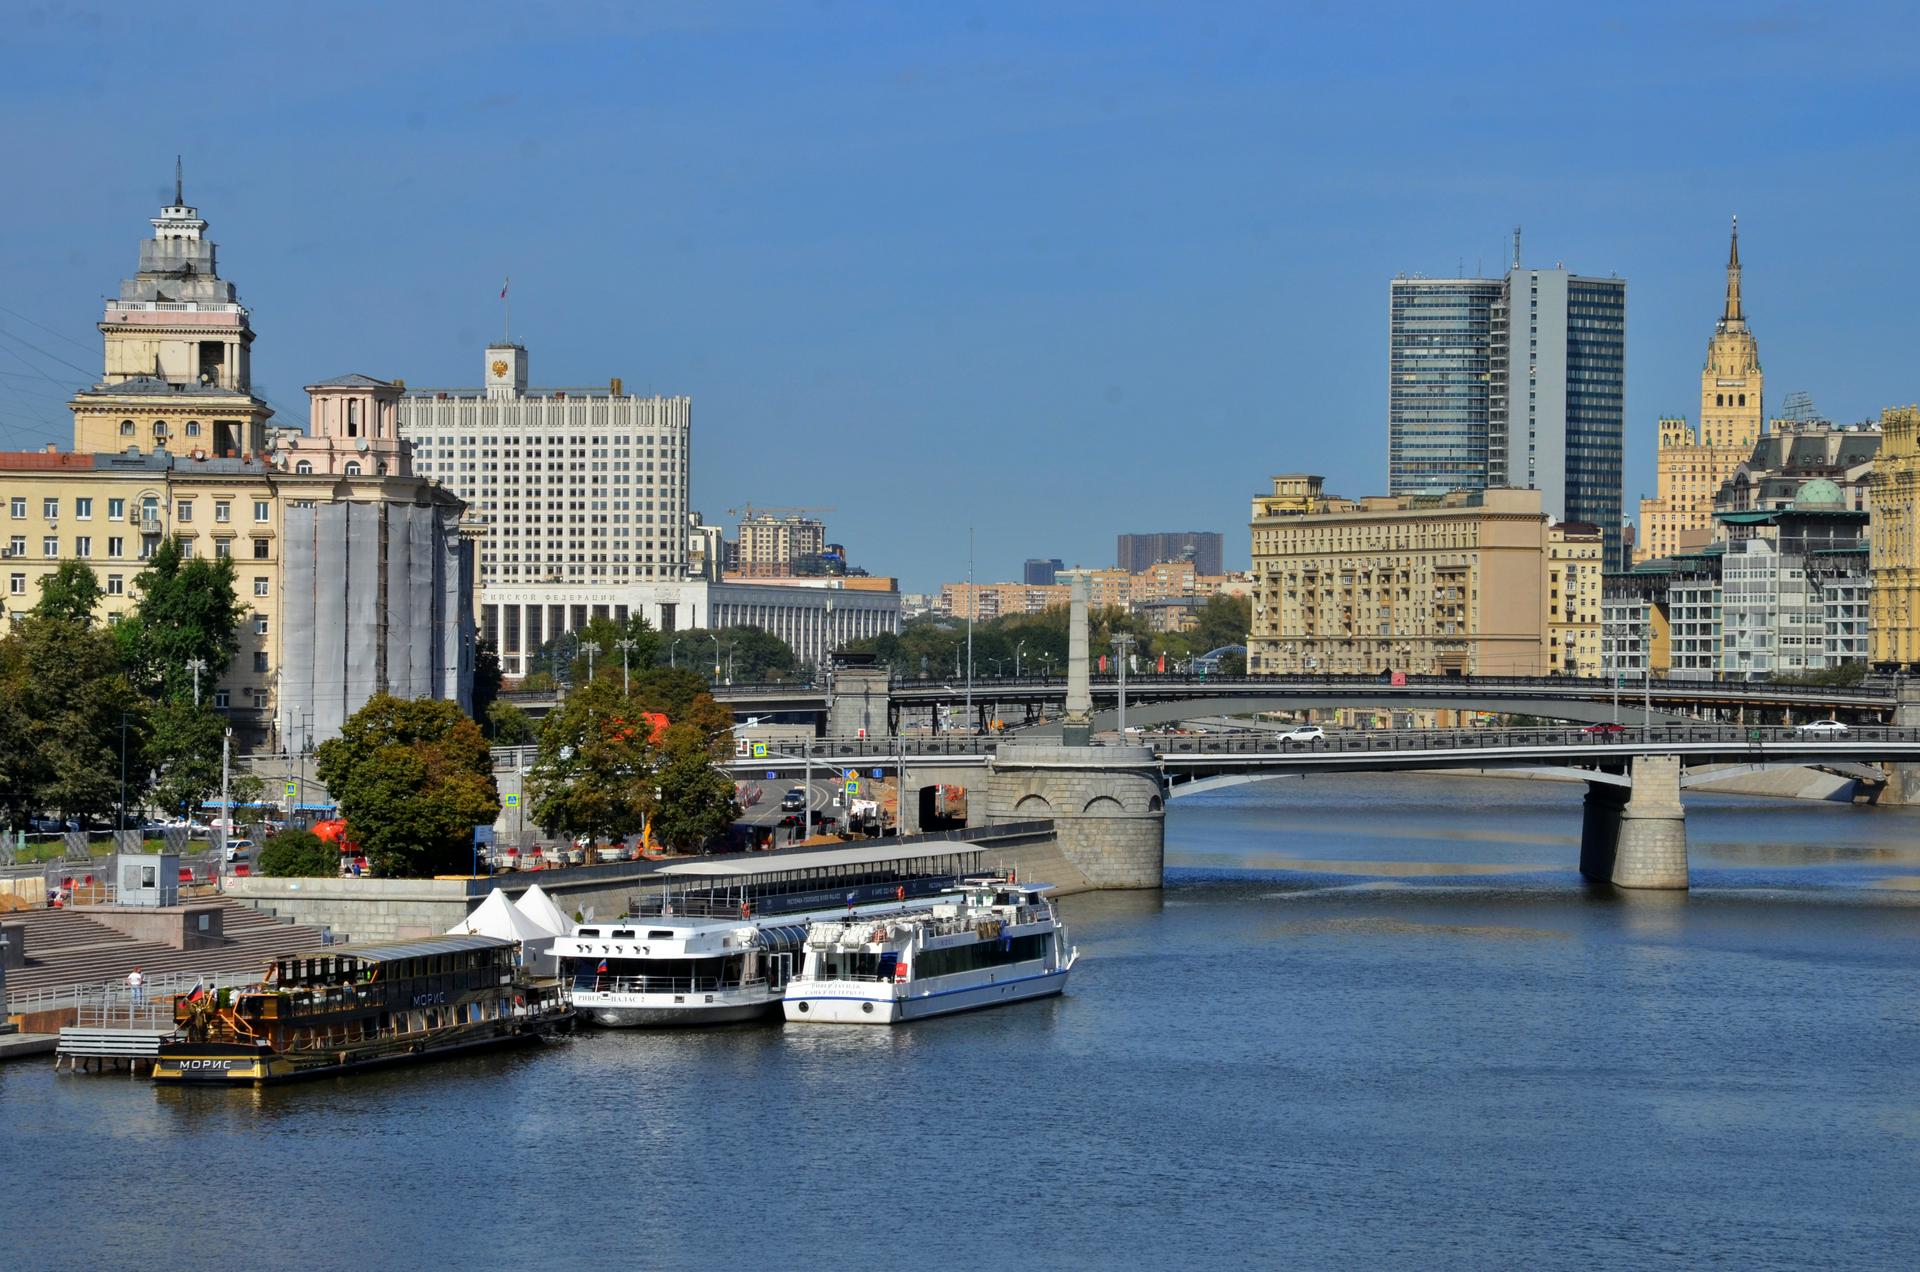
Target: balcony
149	523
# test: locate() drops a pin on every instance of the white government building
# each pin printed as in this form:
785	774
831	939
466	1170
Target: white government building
584	496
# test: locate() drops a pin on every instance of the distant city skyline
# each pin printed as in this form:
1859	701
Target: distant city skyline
803	219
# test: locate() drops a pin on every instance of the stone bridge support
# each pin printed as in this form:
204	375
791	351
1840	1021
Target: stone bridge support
1637	837
1108	806
1903	780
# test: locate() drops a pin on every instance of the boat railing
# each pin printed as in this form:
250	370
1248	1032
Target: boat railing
659	984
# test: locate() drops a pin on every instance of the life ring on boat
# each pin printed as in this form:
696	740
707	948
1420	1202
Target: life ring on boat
900	893
746	909
1013	876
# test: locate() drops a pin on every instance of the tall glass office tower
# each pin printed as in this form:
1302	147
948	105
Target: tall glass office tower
1515	381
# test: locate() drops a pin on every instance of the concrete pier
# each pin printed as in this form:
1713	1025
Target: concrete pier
1077	728
1637	838
1108	806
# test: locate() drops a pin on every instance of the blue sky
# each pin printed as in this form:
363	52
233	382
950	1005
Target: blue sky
1056	271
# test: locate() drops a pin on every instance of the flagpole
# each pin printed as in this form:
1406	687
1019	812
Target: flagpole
506	302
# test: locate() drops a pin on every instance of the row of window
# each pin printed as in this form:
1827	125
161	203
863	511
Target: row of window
117	509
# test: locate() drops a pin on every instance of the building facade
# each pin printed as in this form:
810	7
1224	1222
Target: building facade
172	444
1789	455
1041	573
1894	548
1133	553
575	487
1453	584
773	546
1511	382
1576	561
1690	467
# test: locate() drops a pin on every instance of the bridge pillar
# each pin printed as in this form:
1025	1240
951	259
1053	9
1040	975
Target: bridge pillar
1108	806
1077	728
1651	849
860	703
1637	838
1903	780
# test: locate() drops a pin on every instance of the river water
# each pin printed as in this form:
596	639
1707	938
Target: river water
1370	1021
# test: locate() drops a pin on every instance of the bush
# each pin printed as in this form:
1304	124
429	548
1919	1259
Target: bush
299	854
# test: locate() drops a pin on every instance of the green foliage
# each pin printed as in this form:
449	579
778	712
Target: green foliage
1223	620
593	774
245	789
486	679
598	773
757	654
563	659
508	725
63	700
187	609
696	802
299	854
181	748
412	779
1846	676
71	592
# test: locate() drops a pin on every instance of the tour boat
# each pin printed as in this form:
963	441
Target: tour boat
341	1010
990	941
722	944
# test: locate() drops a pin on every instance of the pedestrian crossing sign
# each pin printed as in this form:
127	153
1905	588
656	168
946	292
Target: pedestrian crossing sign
293	790
513	800
759	750
853	786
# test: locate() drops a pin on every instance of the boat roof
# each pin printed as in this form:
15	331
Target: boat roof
811	859
427	947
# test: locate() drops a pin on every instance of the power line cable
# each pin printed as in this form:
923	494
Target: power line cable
52	331
43	353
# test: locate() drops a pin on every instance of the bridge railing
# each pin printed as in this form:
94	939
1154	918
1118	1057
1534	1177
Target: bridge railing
1411	685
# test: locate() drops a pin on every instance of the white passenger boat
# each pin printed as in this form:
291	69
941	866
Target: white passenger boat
990	941
721	943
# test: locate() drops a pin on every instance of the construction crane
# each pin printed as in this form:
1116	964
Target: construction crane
749	512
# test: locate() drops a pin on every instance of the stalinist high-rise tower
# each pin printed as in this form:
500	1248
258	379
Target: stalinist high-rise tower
1691	468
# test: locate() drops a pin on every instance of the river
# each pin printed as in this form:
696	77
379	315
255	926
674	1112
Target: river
1371	1021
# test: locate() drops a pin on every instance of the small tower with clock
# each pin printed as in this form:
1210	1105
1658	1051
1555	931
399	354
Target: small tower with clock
506	370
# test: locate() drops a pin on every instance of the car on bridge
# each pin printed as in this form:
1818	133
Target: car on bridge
1605	727
1304	734
1822	728
794	799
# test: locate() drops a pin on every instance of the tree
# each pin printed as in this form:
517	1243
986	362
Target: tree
412	779
696	798
186	610
508	725
486	679
245	790
70	592
181	748
1223	620
756	654
593	774
564	658
68	707
299	854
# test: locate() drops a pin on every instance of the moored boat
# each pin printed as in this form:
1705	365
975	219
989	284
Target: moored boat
721	943
344	1009
990	941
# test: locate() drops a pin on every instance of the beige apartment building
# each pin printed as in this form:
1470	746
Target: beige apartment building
1893	550
172	443
1452	584
771	545
1576	553
1689	468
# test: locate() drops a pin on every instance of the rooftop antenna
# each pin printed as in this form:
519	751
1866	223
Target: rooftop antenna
1516	247
179	198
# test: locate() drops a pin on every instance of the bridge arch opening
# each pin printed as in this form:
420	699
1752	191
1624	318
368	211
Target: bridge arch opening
1033	806
1103	806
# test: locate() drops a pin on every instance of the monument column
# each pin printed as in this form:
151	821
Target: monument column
1077	729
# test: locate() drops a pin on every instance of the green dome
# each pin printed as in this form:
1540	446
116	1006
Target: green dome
1819	493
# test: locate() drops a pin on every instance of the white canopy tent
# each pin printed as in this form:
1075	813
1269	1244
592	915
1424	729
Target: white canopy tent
538	906
497	917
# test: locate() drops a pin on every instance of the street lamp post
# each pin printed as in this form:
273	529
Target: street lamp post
626	649
590	648
196	666
715	638
1122	646
673	652
1016	658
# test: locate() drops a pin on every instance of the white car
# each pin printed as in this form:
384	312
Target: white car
1822	728
239	850
1304	733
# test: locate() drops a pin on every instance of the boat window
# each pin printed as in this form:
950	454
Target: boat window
588	932
623	932
653	933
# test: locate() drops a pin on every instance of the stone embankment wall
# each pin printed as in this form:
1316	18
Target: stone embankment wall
1107	803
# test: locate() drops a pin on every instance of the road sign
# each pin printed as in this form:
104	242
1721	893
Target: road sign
483	836
760	752
513	800
293	790
853	786
878	774
772	776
